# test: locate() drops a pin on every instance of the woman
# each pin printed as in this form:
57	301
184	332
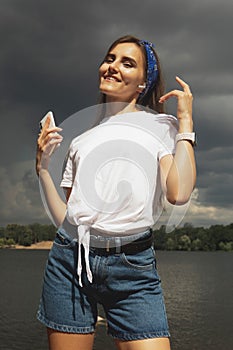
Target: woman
111	246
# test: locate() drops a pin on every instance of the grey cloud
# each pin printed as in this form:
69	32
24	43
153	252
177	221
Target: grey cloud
213	116
20	198
215	182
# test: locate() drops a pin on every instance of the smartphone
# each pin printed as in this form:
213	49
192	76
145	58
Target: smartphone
52	121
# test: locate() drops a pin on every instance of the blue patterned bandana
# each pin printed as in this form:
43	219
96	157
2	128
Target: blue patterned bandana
152	69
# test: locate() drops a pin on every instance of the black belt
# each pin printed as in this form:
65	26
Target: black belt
130	248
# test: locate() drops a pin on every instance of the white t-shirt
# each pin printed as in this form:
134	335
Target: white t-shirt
113	170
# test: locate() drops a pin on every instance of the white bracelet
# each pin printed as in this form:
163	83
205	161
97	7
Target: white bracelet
188	136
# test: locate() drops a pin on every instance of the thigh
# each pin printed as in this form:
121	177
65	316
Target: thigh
135	307
146	344
64	306
64	341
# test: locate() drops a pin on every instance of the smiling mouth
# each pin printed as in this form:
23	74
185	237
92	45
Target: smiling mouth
111	78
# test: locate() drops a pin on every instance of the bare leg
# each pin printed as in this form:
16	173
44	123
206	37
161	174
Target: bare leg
69	341
145	344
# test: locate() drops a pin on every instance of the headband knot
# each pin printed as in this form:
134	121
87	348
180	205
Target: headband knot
152	68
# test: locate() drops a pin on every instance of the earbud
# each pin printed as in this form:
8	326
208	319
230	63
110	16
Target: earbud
141	86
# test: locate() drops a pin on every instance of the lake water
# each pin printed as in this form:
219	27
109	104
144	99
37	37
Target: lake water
198	290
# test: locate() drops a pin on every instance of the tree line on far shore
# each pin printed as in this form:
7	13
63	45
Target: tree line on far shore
188	237
26	235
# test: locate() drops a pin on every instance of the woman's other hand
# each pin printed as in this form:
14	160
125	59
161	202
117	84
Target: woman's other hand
184	105
48	140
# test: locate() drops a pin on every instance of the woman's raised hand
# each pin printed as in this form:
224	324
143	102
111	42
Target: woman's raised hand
47	141
184	101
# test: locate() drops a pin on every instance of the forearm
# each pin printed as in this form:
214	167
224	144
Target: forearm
182	174
180	171
55	204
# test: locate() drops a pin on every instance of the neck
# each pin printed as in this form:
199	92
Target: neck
114	107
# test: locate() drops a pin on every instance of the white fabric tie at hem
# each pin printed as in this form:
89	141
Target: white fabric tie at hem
84	239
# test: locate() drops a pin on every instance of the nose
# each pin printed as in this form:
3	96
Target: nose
113	66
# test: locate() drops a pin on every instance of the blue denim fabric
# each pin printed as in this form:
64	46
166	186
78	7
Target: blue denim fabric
127	286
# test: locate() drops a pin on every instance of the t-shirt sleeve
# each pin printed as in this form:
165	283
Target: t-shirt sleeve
167	146
68	169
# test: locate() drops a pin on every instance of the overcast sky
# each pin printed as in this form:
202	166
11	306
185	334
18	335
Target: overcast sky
50	52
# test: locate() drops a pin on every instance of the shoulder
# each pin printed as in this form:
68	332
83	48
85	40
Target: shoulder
160	121
164	118
76	141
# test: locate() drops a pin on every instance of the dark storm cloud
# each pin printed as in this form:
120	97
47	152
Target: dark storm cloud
20	198
216	181
43	51
50	52
214	121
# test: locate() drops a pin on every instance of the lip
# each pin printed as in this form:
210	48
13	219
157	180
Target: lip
111	78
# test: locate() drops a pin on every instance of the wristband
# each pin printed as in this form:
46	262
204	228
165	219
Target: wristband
187	136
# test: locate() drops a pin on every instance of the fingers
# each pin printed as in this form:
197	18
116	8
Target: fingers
47	148
184	85
49	138
177	93
45	131
45	126
173	93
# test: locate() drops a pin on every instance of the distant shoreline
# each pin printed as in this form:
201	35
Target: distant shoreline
39	245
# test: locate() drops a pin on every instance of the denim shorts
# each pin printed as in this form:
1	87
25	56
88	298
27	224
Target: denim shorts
127	286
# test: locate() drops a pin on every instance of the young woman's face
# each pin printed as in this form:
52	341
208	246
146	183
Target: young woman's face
121	72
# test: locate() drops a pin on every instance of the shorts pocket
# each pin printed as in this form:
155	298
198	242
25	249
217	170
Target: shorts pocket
144	260
63	240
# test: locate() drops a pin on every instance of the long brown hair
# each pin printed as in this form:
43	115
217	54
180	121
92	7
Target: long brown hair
151	99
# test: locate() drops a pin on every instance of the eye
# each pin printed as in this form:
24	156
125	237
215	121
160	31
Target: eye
109	59
128	65
128	62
